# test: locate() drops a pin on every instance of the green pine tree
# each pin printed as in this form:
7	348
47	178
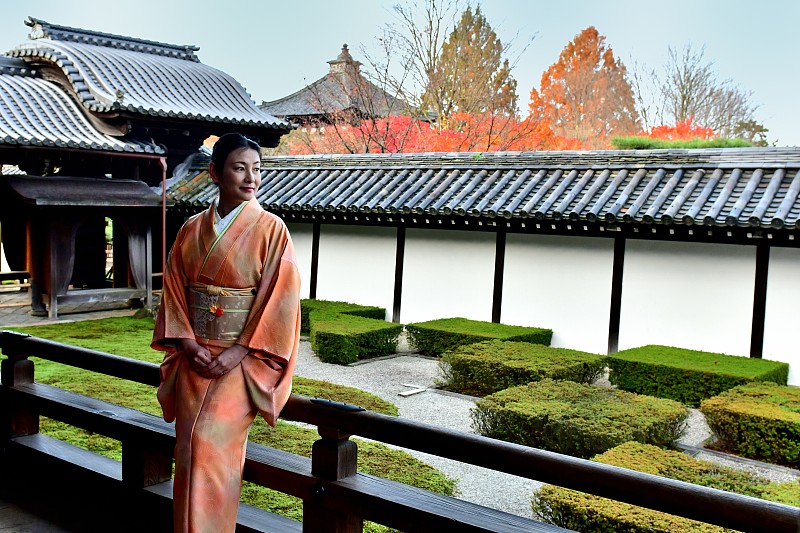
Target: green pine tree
471	75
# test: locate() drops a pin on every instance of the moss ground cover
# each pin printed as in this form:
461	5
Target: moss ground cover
130	337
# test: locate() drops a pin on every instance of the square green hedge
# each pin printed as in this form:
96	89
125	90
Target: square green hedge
343	333
688	376
759	420
330	308
592	514
437	336
486	367
577	419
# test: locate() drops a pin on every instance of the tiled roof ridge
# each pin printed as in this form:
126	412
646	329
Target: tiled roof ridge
16	67
572	158
43	29
36	112
739	187
266	104
62	56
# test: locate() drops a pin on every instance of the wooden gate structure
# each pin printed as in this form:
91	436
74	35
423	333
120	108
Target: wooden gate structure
97	122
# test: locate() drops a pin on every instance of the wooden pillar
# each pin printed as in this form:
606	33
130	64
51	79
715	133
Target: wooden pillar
399	260
616	294
499	268
759	301
312	284
34	264
333	457
143	466
149	267
17	369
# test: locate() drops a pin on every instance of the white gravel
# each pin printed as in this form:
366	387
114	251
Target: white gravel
387	377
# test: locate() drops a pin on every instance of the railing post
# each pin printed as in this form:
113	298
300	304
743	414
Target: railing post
143	466
17	370
333	457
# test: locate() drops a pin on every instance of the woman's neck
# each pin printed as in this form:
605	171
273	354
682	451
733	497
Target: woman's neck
224	209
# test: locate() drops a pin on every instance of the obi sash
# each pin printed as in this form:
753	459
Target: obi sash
219	313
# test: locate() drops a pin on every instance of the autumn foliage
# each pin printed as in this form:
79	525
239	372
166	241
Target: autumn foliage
585	94
584	100
466	132
685	130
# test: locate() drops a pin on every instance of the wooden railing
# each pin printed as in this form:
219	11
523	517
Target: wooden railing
336	498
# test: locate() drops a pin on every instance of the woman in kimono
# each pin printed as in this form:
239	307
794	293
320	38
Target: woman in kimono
229	321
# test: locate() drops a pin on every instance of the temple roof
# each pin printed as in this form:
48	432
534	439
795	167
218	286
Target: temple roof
344	88
36	112
112	73
742	187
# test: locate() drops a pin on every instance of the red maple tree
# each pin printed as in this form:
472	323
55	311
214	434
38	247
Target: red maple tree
585	95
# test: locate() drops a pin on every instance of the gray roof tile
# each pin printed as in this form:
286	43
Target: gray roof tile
36	112
746	187
111	73
343	88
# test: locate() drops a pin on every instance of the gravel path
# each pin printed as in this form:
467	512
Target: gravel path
389	376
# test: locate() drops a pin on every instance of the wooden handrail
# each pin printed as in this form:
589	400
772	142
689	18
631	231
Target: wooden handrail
675	497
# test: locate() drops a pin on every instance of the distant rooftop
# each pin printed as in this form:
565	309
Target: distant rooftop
344	88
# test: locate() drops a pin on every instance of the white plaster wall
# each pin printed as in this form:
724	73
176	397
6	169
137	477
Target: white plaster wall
690	295
447	274
302	237
781	340
561	283
356	264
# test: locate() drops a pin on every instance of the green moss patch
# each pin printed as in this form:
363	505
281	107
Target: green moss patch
487	367
313	388
688	376
577	419
592	514
131	337
759	420
435	337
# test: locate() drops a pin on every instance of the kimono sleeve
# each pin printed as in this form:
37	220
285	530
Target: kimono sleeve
273	325
172	321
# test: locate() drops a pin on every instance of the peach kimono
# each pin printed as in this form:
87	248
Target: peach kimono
213	416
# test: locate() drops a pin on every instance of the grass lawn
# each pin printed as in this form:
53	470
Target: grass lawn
130	337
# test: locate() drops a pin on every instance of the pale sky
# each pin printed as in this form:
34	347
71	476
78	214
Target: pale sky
275	48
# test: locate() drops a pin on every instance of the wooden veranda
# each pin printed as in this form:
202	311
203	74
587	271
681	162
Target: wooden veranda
135	494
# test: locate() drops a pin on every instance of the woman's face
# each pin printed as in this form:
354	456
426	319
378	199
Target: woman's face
239	179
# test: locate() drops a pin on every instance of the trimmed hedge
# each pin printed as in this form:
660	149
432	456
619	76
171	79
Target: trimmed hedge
688	376
435	337
758	420
577	419
332	308
486	367
342	333
592	514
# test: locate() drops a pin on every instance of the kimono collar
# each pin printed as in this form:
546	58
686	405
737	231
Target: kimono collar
217	247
